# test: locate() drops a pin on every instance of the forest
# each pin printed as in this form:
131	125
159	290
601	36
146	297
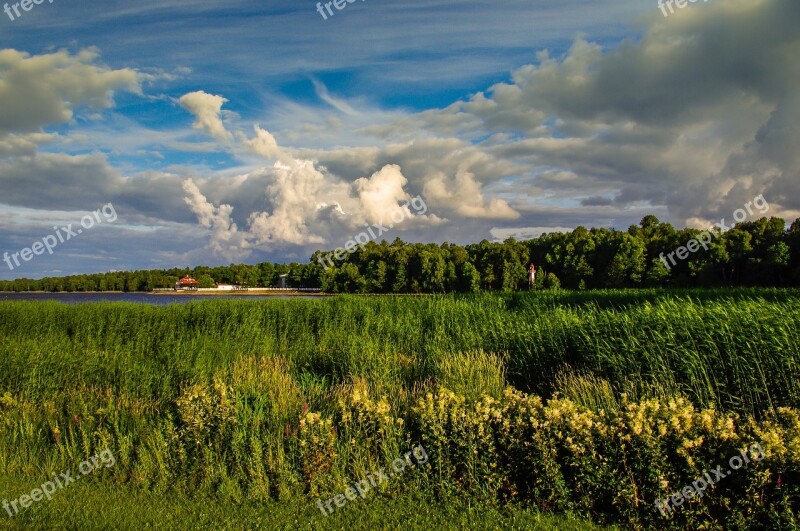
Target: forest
757	253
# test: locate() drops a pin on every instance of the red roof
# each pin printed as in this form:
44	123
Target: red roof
187	280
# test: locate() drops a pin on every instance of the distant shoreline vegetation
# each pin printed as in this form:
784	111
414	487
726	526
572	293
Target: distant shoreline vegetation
755	253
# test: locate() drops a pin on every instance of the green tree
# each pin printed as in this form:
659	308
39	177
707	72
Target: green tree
470	279
206	281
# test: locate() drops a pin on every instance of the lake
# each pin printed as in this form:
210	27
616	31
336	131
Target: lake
146	298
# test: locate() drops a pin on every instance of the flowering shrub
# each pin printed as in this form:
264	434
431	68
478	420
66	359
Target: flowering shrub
461	439
369	424
317	443
205	413
611	466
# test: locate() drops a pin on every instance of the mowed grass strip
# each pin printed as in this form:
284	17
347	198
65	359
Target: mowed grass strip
95	505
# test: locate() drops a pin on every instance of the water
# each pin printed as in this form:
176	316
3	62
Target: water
145	298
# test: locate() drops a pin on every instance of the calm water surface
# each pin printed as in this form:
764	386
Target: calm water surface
77	298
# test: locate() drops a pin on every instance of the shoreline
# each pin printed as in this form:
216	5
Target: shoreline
187	293
240	293
69	292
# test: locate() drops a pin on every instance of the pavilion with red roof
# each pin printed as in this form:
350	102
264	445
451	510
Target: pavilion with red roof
187	283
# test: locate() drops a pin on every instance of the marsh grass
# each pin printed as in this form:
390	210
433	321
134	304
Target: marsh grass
587	390
215	396
736	349
471	374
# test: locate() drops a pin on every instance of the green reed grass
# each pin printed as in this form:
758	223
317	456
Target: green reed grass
737	349
141	377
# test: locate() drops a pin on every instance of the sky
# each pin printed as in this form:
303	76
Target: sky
177	133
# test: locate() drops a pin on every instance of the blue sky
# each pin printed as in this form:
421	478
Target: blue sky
257	130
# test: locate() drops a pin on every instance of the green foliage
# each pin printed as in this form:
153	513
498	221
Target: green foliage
96	505
757	253
614	464
281	399
472	374
551	281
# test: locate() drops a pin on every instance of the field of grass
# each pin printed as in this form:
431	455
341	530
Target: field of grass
261	407
100	506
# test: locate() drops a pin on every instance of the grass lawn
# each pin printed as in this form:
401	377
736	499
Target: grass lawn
97	505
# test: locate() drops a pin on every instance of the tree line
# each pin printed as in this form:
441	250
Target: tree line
756	253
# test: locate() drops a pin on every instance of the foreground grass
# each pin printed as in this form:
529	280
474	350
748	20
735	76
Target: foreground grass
731	349
97	505
256	408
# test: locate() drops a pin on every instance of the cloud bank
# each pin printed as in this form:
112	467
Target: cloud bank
688	118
